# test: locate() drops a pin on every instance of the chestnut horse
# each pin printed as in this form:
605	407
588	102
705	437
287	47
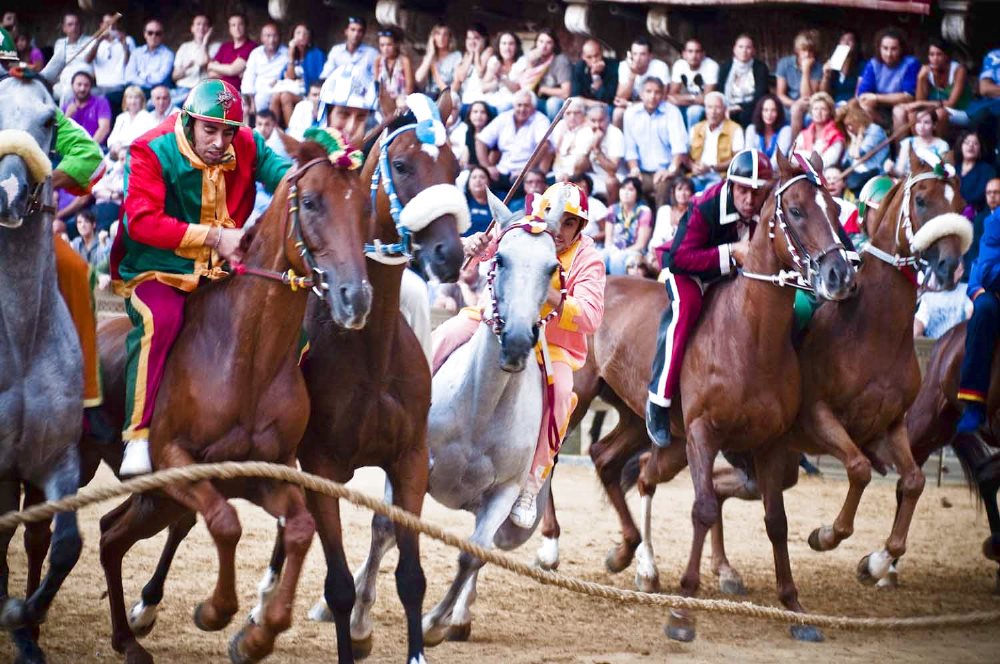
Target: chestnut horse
259	405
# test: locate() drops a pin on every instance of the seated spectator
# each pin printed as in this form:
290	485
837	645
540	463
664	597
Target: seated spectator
345	101
304	114
597	211
534	184
889	79
393	69
973	170
939	311
979	221
463	135
863	136
691	78
744	80
571	141
305	62
9	22
475	193
266	125
109	56
471	69
987	106
152	63
842	83
192	58
86	242
162	105
837	187
823	135
265	67
437	70
354	53
131	123
65	51
656	142
910	147
463	293
547	72
668	217
799	75
500	81
942	87
27	52
607	153
628	227
230	60
714	142
515	133
90	111
768	130
109	191
595	76
638	66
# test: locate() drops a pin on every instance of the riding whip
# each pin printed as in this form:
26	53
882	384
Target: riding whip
93	40
871	153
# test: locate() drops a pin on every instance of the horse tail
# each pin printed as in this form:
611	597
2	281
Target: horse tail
631	471
975	455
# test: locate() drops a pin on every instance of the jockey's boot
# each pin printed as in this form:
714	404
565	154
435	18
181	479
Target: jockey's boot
136	459
973	417
658	424
524	512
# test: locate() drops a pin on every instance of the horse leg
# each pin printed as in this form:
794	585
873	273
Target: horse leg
25	639
140	517
409	480
491	515
286	503
988	481
610	456
37	538
728	483
366	580
142	615
461	616
269	582
547	555
661	465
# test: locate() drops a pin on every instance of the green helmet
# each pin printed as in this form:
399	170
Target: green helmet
872	194
215	101
8	51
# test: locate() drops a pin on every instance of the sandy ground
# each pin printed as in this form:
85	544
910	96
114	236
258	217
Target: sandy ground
517	621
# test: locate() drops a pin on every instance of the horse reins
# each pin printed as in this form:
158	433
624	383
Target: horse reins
397	253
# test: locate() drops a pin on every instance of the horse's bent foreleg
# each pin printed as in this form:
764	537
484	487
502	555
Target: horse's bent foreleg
661	465
461	616
142	615
409	481
269	582
610	456
728	482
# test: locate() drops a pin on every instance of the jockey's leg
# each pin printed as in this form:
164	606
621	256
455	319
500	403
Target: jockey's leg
980	339
452	334
678	320
415	305
157	314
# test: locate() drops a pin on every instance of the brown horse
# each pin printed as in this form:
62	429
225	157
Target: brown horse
259	404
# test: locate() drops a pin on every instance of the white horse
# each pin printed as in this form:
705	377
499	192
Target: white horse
485	415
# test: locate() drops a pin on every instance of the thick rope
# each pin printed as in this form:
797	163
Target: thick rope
231	470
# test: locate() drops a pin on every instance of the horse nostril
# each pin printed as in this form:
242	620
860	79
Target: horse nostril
345	298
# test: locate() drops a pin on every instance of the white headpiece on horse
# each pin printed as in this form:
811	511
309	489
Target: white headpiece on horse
24	145
430	129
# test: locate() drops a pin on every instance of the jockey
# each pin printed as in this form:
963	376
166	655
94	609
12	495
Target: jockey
189	189
870	198
346	100
566	335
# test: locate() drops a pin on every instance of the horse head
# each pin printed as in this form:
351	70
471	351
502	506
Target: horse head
807	217
921	218
324	228
420	169
27	124
523	266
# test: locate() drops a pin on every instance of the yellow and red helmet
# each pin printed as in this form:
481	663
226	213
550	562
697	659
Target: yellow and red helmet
565	195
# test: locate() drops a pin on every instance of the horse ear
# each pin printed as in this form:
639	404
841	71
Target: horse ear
501	213
291	145
386	104
816	161
444	105
783	165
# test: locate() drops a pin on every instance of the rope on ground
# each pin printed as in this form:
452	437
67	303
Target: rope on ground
233	470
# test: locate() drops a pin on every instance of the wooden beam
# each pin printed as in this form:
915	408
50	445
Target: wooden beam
900	6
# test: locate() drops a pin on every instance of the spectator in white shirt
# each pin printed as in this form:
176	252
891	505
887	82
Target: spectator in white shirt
265	67
515	133
131	123
192	58
638	65
607	151
64	50
352	52
692	77
656	142
571	140
162	106
266	125
109	56
304	113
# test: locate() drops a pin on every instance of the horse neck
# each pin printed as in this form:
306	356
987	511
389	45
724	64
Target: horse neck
886	296
764	309
485	382
28	286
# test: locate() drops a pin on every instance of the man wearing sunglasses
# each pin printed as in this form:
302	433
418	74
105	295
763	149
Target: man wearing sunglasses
152	63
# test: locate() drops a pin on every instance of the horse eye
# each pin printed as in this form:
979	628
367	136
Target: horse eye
499	260
399	166
309	203
795	212
921	201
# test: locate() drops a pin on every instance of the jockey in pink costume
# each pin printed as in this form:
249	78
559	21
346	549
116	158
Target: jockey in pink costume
566	334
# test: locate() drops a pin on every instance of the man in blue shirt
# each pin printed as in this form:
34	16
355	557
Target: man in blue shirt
890	78
656	142
152	63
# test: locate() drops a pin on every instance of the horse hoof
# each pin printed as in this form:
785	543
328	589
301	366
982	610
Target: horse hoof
204	623
806	633
991	548
647	584
864	575
680	628
136	654
459	632
434	636
616	561
362	647
139	621
236	654
890	582
30	654
320	612
13	614
729	585
547	565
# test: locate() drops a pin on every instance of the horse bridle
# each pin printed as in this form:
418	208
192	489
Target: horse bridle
397	253
34	203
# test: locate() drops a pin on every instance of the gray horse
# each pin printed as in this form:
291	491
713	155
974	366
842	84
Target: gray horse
41	372
485	415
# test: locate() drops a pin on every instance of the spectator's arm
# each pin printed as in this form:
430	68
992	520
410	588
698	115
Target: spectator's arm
103	129
248	82
989	88
782	89
919	326
958	86
923	84
74	206
131	72
411	84
235	68
866	83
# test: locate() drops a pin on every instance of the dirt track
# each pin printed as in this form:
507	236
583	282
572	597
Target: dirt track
516	621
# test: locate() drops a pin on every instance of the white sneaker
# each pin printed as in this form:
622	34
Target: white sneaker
523	512
136	459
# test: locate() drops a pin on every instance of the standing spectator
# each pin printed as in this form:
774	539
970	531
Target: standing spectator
162	105
889	79
799	75
668	217
987	107
463	135
66	49
87	243
595	76
515	133
628	227
471	70
714	142
266	125
973	171
939	311
979	222
571	140
191	61
437	70
692	77
305	62
346	100
842	83
942	87
607	153
90	111
768	130
823	135
27	52
744	80
109	57
265	67
354	52
547	72
131	123
304	114
656	143
152	63
910	147
863	135
638	66
230	60
479	206
393	69
500	82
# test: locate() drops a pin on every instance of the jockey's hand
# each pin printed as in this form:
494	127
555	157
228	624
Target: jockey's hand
738	250
229	244
554	298
475	244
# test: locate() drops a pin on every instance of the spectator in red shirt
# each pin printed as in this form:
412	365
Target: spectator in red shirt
231	58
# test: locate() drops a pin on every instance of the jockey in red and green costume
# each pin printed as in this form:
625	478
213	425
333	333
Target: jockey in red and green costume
189	188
